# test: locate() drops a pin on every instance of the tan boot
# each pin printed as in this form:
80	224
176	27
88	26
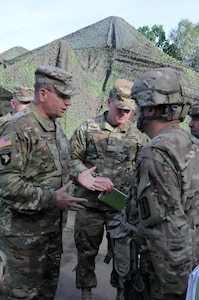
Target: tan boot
86	294
120	294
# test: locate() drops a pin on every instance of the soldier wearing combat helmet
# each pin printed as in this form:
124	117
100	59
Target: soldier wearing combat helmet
163	203
194	114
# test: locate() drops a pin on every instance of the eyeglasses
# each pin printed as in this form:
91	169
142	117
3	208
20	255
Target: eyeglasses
60	95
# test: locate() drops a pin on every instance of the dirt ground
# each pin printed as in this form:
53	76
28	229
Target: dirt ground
66	287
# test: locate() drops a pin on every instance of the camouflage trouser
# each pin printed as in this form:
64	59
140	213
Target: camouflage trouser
32	266
89	230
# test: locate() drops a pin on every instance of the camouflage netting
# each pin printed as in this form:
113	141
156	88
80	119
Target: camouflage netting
96	55
5	97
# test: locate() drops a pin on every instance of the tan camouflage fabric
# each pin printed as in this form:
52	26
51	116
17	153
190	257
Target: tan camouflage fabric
23	94
34	155
166	195
162	86
59	78
5	118
32	169
121	94
194	109
3	266
112	149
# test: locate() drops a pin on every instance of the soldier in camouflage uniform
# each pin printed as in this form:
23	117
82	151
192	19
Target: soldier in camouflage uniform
164	201
104	150
34	155
194	114
22	96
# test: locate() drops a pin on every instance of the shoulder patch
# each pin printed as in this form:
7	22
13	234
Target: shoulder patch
5	141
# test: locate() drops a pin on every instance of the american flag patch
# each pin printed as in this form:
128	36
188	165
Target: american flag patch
7	141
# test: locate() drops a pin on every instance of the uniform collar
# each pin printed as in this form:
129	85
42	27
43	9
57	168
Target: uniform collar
47	124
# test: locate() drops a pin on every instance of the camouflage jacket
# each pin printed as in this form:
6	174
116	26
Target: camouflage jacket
5	118
113	150
164	205
34	154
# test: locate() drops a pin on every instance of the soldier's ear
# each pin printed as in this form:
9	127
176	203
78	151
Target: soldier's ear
12	103
42	93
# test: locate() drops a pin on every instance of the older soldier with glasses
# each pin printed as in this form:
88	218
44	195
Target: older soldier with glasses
34	180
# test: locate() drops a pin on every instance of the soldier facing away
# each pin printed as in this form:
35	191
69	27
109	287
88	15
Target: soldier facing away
34	179
164	202
103	153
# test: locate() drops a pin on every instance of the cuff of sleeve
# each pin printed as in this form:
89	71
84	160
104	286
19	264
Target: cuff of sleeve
51	198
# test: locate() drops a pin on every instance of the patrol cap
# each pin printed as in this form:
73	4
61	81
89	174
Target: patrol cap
23	94
194	109
121	94
59	78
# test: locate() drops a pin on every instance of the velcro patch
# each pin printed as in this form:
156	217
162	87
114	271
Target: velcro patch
5	141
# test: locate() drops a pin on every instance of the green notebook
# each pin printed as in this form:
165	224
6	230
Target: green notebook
114	198
197	291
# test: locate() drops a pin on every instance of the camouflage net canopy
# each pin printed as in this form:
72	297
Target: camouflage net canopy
96	56
5	97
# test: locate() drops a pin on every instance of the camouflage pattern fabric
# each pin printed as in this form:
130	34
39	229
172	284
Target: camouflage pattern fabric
91	223
5	118
33	266
34	155
3	110
3	266
23	94
194	109
113	150
166	195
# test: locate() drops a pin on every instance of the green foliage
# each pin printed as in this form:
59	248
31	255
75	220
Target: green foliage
186	40
182	44
172	50
157	36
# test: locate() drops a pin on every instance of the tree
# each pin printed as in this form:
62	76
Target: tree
157	36
182	44
186	40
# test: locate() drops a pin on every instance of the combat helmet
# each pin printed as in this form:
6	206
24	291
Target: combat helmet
163	86
194	109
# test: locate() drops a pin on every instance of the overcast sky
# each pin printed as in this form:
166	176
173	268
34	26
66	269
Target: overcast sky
34	23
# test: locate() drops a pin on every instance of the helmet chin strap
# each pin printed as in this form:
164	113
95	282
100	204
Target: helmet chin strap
172	112
143	117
